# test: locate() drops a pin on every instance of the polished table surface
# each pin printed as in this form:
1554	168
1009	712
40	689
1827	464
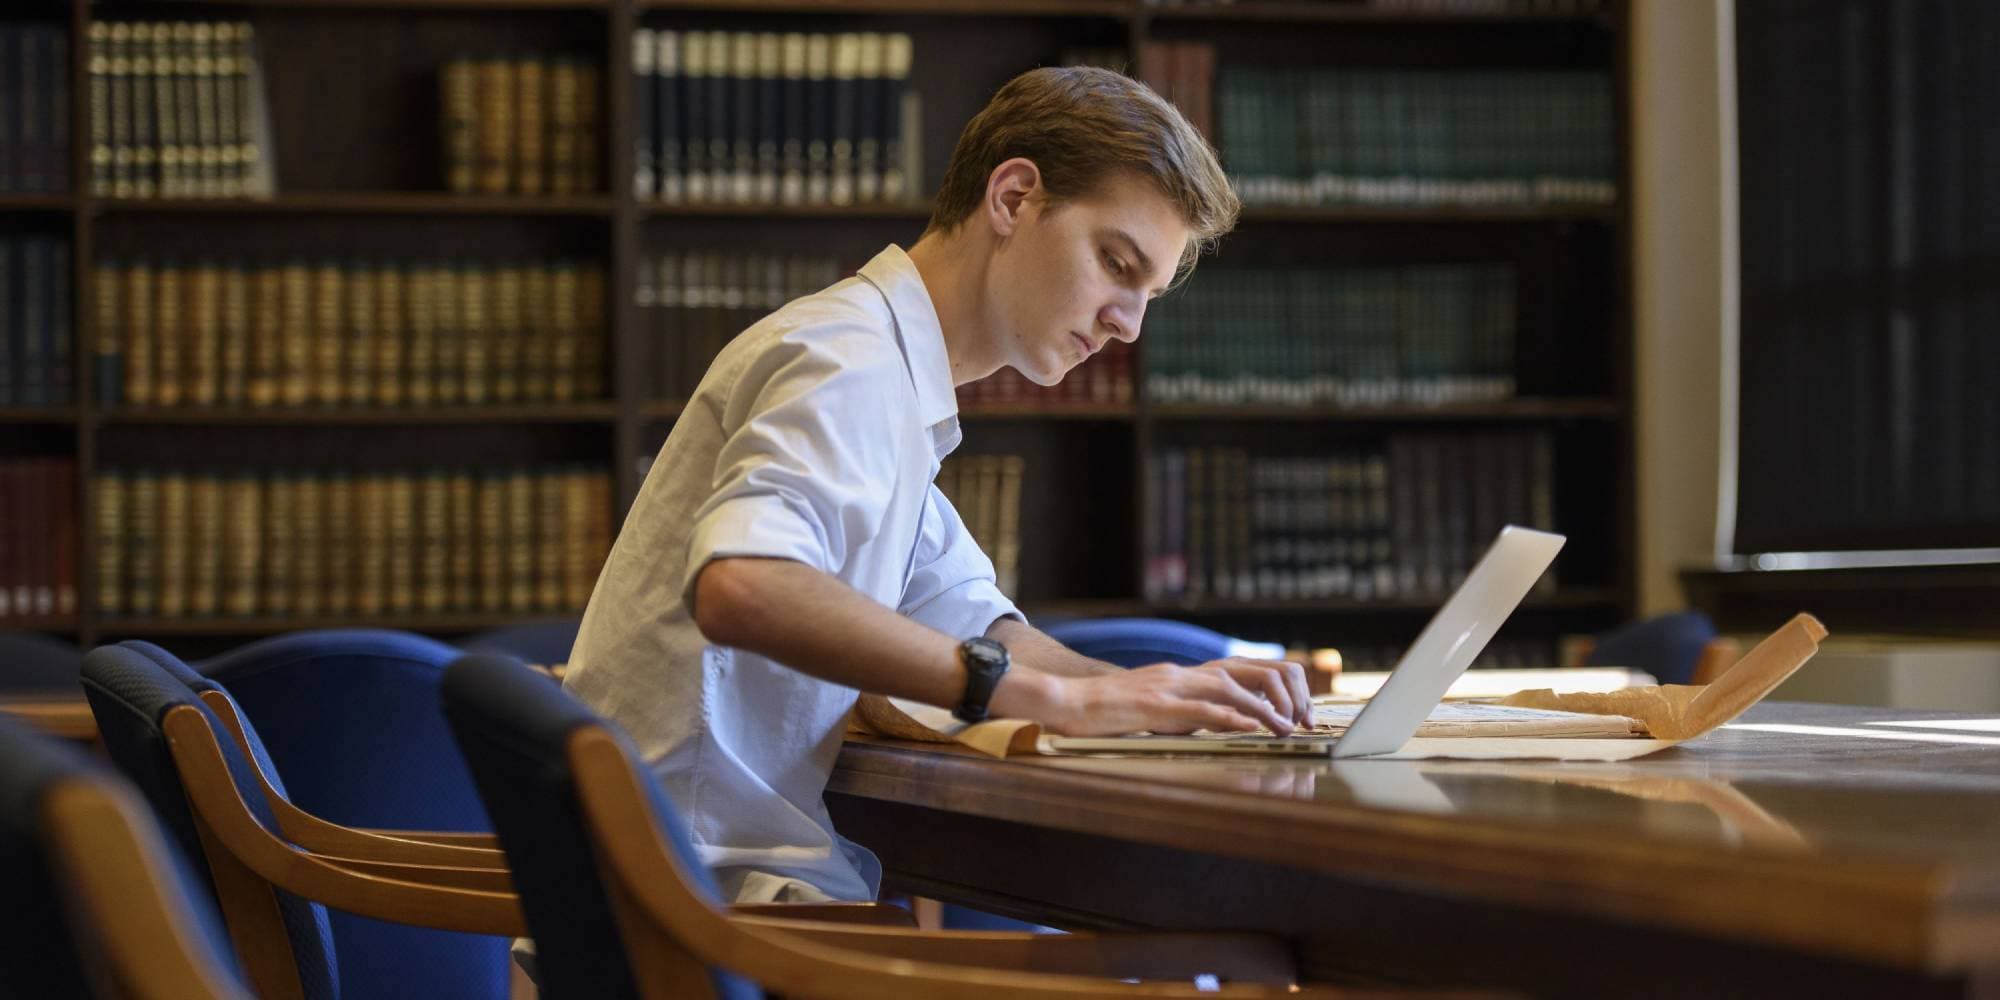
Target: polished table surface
1856	846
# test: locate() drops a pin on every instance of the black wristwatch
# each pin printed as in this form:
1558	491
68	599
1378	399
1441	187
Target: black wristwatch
985	662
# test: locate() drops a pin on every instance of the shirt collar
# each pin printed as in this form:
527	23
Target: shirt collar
919	331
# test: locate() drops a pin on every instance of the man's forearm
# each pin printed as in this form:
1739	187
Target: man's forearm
814	623
1028	646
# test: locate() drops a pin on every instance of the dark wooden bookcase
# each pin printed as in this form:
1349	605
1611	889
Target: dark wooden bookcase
352	97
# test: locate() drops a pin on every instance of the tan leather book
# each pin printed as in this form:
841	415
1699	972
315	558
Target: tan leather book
475	334
169	343
329	333
420	344
359	348
448	363
491	543
496	96
537	334
520	544
142	541
580	564
590	311
203	337
309	567
506	320
108	498
243	527
233	365
401	547
434	543
551	540
172	532
562	82
597	540
458	86
391	371
1007	543
294	374
341	542
279	528
371	545
564	332
466	536
140	351
228	81
531	123
205	545
207	147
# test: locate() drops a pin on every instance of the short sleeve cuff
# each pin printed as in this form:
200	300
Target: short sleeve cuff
967	609
760	526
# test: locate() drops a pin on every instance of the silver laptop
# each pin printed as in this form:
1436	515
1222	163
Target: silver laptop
1447	646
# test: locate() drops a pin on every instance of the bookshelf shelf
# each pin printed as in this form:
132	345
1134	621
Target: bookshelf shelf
1301	12
37	415
1269	215
412	5
654	210
36	203
1585	408
962	8
218	626
579	413
363	203
60	625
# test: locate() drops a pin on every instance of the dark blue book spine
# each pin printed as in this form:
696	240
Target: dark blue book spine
868	121
769	117
644	141
62	339
743	111
694	144
819	117
792	132
667	87
10	324
719	94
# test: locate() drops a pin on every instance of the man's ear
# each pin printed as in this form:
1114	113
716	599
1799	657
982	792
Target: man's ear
1008	188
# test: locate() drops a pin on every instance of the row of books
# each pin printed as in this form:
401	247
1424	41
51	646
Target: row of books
36	345
34	109
1103	379
177	544
1402	520
1391	137
691	304
177	110
1428	334
517	125
37	538
986	492
244	334
765	118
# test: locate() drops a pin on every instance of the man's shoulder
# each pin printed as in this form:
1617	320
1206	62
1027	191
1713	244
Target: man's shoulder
847	322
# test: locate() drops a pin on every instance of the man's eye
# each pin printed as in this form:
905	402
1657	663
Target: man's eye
1117	267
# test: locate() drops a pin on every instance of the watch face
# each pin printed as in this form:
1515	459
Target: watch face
985	655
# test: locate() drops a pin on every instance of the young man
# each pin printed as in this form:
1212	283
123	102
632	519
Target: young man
788	548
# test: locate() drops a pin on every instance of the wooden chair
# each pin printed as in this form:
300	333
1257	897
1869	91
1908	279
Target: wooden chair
101	904
623	907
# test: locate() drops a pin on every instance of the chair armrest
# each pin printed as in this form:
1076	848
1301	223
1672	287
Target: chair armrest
442	876
1242	958
442	838
866	914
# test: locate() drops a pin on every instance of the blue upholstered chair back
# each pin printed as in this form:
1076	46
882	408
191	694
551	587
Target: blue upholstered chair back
1138	642
350	717
131	687
514	725
43	956
32	663
544	643
1667	646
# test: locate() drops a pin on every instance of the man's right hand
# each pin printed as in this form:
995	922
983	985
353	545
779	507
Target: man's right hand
1162	698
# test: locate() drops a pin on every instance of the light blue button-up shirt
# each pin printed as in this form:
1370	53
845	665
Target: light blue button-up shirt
815	436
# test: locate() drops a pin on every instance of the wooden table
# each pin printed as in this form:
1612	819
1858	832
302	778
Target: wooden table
1833	855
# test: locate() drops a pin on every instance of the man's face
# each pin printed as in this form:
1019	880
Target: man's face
1074	276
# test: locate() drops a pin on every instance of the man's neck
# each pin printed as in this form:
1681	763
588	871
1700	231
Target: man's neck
952	266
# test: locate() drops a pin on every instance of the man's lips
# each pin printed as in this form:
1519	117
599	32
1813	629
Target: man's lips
1088	347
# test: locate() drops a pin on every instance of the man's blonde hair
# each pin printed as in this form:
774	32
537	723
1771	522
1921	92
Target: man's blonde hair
1080	126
